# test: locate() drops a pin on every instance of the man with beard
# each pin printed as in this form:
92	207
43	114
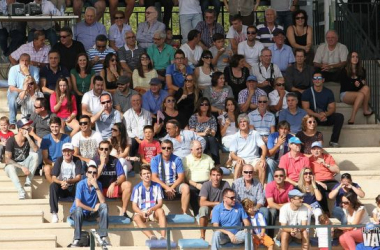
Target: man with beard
123	94
91	99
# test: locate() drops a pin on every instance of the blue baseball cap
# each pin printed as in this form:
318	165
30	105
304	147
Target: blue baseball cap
316	144
155	81
252	78
295	193
295	140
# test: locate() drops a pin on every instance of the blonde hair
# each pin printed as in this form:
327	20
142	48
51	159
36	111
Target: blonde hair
247	203
324	219
301	182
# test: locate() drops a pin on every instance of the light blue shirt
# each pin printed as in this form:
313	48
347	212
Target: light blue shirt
229	218
105	123
145	33
295	121
262	123
118	36
153	103
282	57
86	34
182	148
16	78
247	148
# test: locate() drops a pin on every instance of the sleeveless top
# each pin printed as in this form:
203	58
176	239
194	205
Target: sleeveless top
109	85
203	79
301	40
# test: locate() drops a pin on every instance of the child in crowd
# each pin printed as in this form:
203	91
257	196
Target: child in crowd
221	55
375	212
322	232
149	147
5	134
257	219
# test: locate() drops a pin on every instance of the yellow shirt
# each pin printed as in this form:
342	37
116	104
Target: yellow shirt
198	170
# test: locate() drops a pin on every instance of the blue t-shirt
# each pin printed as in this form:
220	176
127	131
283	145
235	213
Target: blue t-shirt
341	192
54	148
272	141
178	78
87	196
172	168
229	218
111	171
322	99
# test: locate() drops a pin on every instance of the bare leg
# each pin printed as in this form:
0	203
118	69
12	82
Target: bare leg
238	169
305	240
203	222
141	224
285	237
159	214
113	8
185	197
355	99
126	189
367	95
47	171
74	125
77	8
130	4
100	8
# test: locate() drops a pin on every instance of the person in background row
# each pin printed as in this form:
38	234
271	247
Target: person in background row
228	122
245	9
209	27
192	49
190	14
91	101
111	72
97	54
146	30
277	98
130	53
249	97
119	15
294	115
205	5
261	119
168	8
265	31
221	54
237	32
251	49
87	30
282	54
236	74
143	74
117	31
204	70
187	97
309	133
154	97
28	97
123	94
284	11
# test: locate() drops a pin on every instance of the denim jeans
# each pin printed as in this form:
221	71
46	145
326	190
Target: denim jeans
14	172
206	3
219	238
188	22
17	39
12	105
50	34
339	214
284	18
78	217
271	166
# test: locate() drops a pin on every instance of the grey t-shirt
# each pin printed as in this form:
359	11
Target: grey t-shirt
211	193
124	101
41	125
281	5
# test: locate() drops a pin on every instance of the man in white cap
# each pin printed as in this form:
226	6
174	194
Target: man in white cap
21	156
294	213
66	173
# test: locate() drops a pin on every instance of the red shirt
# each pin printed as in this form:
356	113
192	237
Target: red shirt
63	111
293	166
148	150
280	196
5	137
321	172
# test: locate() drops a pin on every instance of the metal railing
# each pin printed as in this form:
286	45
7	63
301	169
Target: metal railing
248	228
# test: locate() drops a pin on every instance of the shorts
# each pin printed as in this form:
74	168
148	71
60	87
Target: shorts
341	96
149	218
177	192
116	192
252	162
267	241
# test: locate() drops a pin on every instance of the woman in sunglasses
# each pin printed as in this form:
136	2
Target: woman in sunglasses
28	96
307	185
204	71
188	96
111	71
309	134
203	123
143	73
355	214
345	186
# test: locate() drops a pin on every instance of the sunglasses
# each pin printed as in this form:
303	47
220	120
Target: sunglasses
166	148
300	18
310	122
345	202
37	107
104	149
262	101
92	172
308	173
251	33
170	100
188	80
109	101
102	47
317	78
64	37
280	84
114	130
248	172
279	175
83	123
231	198
205	104
113	59
119	17
207	57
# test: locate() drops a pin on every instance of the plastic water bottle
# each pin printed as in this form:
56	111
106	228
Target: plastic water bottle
62	10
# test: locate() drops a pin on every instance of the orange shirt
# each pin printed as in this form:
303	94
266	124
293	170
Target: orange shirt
321	172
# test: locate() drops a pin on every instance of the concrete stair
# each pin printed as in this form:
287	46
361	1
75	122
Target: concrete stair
15	241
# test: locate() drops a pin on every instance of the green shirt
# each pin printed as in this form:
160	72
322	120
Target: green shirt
161	60
83	84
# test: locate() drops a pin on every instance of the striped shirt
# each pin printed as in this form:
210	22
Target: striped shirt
206	33
92	52
40	56
262	123
27	104
172	168
130	57
255	192
264	35
146	199
243	95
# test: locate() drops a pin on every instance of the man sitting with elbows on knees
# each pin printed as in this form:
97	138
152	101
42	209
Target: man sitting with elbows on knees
147	203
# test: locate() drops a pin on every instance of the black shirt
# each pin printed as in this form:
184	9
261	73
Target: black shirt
69	55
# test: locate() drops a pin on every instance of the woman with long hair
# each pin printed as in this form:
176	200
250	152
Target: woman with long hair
204	71
355	214
307	185
353	86
143	73
81	76
309	134
228	121
236	74
27	97
188	96
204	124
217	93
111	71
64	105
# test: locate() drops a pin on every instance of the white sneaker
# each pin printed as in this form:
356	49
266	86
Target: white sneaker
54	218
21	196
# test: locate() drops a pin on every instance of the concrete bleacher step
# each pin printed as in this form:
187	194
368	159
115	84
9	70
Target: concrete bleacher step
346	110
10	193
31	216
21	241
358	158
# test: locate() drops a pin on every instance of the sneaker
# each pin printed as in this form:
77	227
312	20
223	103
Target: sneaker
334	144
54	218
75	243
21	196
277	242
153	237
105	241
127	216
27	184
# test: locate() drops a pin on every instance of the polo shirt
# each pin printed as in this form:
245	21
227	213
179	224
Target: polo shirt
255	192
68	55
92	101
265	35
293	166
272	141
198	170
322	99
251	54
247	148
229	217
51	77
86	34
177	76
16	78
87	195
295	121
92	52
117	36
172	168
130	57
105	123
153	103
182	148
322	173
146	198
41	124
111	170
280	196
282	57
123	100
161	59
40	56
262	123
54	148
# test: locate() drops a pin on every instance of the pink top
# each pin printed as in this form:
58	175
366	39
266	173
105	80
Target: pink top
280	196
63	112
293	166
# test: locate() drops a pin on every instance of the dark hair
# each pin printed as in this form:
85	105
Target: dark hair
318	72
123	137
252	27
179	52
106	63
42	101
101	38
192	34
140	67
163	108
84	117
226	190
66	29
359	70
148	127
234	61
296	13
97	78
215	77
37	34
352	197
377	199
210	11
205	53
167	141
174	122
105	94
67	93
106	142
283	124
217	36
88	66
291	94
236	18
299	50
216	169
236	111
145	167
54	51
55	120
279	169
346	176
198	106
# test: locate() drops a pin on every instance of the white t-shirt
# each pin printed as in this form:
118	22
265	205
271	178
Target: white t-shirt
365	219
232	33
192	56
251	54
187	7
337	55
290	217
92	101
88	147
67	171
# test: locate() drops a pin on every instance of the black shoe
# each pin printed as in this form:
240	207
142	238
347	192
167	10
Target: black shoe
127	216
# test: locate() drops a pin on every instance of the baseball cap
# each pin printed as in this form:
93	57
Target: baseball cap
92	163
278	32
295	193
123	80
155	81
252	78
22	122
264	133
316	144
295	140
67	145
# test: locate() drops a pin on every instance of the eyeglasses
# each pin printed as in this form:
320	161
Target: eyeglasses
113	59
188	80
308	173
345	202
204	104
37	107
130	37
92	172
231	198
207	57
114	130
179	58
262	101
104	149
279	175
251	32
317	78
64	37
101	46
109	101
280	84
170	100
166	148
248	172
310	122
83	123
119	17
300	18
